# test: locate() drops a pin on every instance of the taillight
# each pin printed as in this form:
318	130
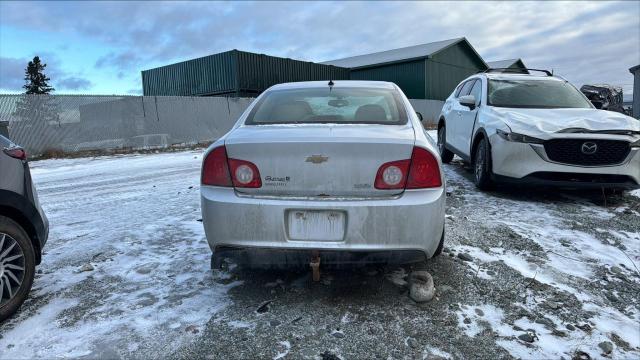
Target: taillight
16	153
218	170
244	174
424	171
392	175
215	170
419	172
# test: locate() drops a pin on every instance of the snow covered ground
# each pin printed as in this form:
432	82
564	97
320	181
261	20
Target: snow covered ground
545	274
133	221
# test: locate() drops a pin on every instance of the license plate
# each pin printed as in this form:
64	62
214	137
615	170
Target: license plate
314	225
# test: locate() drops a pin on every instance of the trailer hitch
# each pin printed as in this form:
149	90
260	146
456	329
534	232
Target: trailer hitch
315	265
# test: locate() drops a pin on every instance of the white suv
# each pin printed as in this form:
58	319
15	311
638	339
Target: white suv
519	127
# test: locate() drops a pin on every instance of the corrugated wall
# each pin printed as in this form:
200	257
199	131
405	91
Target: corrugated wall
257	72
447	68
234	73
210	75
409	76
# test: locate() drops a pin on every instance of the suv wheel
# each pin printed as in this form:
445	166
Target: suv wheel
482	166
17	266
445	154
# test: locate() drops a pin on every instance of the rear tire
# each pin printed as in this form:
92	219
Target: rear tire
445	154
440	246
17	267
482	166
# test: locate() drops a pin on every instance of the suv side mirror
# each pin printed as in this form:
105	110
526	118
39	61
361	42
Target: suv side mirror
468	101
419	116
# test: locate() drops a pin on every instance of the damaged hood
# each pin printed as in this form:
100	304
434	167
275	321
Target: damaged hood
541	122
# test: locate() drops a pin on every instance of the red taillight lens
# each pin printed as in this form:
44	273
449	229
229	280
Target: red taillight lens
392	175
215	169
16	153
218	170
424	171
419	172
244	174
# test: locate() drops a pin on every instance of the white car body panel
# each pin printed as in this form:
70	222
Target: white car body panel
518	160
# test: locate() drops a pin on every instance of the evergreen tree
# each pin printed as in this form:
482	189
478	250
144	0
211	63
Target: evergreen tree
36	112
36	80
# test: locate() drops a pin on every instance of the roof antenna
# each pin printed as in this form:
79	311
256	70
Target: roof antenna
330	85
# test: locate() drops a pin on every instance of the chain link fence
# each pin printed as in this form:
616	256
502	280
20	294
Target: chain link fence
53	125
68	123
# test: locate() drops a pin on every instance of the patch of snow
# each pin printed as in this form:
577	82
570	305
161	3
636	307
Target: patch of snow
432	351
347	318
610	320
241	324
281	354
482	317
569	254
134	219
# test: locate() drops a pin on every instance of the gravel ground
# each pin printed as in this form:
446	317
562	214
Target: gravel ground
526	273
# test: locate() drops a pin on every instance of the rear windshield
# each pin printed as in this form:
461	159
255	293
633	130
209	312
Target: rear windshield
324	105
535	94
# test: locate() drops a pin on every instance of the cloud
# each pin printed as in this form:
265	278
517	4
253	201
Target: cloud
73	83
119	60
12	73
586	41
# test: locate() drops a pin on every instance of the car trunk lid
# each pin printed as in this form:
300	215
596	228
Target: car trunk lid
320	160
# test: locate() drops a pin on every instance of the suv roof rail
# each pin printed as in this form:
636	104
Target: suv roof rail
516	70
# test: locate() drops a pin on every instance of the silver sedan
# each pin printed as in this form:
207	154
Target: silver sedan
338	172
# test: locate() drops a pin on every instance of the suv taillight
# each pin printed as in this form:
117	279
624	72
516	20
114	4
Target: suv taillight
419	172
218	170
16	153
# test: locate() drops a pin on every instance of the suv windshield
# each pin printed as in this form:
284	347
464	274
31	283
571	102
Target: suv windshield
324	105
535	94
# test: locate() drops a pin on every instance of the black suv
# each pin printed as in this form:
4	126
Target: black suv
23	228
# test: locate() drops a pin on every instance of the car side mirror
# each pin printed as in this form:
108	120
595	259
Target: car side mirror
597	103
419	116
468	101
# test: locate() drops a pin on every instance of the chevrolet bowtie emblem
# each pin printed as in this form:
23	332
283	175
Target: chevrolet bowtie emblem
317	159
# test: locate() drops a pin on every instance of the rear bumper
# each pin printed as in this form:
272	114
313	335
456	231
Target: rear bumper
526	163
413	221
286	258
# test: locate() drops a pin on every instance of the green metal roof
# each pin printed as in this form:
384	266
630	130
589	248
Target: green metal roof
404	54
505	64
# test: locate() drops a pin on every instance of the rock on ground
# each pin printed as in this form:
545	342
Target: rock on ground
421	287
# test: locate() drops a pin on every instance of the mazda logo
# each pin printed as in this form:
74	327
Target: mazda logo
589	148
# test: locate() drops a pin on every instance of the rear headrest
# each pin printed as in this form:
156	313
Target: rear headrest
291	111
370	112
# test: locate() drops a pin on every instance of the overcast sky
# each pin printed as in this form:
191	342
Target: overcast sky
101	47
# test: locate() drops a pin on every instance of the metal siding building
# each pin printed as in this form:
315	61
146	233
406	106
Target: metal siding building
427	71
234	73
410	76
507	64
636	91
